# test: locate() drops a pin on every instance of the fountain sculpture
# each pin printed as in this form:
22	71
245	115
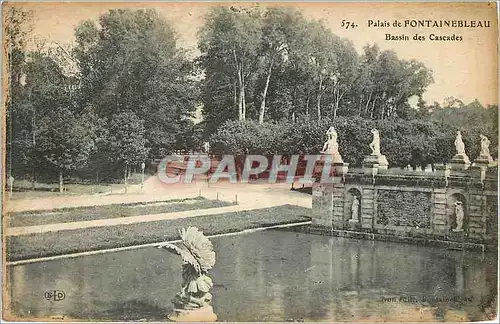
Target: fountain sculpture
194	302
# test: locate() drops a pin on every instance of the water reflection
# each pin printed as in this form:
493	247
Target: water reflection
269	276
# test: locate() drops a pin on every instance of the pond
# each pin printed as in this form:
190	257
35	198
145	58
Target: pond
269	276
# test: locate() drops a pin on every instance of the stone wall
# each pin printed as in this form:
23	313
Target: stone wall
411	206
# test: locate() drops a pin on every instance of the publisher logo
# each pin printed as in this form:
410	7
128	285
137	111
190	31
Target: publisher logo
54	295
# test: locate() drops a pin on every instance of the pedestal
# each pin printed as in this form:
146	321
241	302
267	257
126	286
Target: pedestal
383	164
456	236
478	170
483	161
479	167
204	314
370	170
442	170
340	169
380	160
460	162
334	164
337	158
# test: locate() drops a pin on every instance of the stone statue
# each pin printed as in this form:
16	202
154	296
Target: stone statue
459	144
194	302
375	159
331	146
354	208
375	144
459	216
485	149
485	145
460	161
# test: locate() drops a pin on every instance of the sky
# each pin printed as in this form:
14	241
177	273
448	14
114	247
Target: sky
466	69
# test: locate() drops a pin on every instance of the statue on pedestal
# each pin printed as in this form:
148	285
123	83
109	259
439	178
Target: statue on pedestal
331	146
375	144
459	216
485	148
375	158
485	145
194	302
460	161
354	209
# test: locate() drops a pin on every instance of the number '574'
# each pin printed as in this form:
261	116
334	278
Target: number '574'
348	24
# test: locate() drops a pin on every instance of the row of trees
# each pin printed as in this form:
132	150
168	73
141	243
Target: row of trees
269	64
125	92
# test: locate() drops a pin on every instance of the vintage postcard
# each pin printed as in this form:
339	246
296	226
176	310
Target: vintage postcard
250	162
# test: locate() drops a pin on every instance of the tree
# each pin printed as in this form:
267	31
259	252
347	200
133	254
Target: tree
386	83
345	74
43	88
278	27
287	64
16	27
131	62
472	119
321	60
127	142
229	43
65	141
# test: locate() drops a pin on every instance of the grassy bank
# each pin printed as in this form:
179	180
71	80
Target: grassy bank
78	214
64	242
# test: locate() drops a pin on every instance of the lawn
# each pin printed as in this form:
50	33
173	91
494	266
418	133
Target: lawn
22	188
96	238
67	215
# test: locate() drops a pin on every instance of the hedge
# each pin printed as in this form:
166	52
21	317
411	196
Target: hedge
403	142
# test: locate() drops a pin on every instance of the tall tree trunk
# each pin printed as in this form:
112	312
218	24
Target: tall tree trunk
61	181
126	180
360	105
336	103
368	103
240	104
318	98
264	94
241	95
235	98
373	107
243	100
33	127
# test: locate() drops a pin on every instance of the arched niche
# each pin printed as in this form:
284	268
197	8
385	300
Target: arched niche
352	210
454	203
